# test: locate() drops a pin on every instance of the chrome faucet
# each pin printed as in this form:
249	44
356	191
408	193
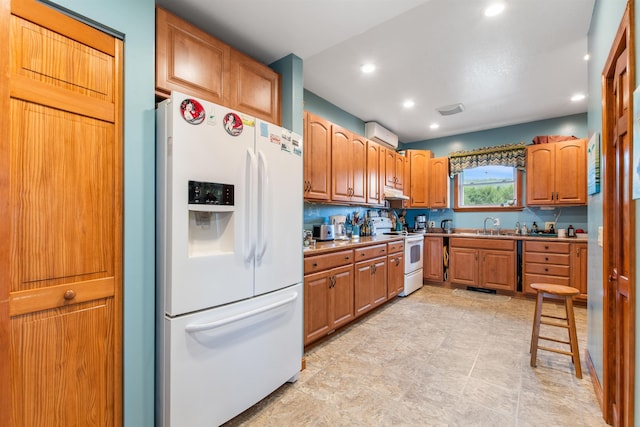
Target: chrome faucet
484	227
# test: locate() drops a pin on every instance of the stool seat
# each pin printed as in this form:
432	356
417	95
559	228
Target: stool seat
566	294
559	290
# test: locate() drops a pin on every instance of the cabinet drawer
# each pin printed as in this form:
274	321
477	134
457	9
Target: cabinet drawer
550	269
546	258
370	252
554	247
480	243
324	262
395	247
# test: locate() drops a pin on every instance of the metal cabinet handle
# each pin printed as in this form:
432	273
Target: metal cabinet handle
315	264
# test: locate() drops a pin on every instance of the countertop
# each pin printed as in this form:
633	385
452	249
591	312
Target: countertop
331	246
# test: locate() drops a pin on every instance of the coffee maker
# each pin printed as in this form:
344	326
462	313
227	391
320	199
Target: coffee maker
338	222
420	225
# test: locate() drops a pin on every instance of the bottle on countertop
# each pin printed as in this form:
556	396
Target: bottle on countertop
534	228
571	232
524	230
552	229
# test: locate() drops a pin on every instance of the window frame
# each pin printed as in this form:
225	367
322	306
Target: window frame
518	206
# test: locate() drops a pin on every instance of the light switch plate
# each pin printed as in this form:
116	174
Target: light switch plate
600	236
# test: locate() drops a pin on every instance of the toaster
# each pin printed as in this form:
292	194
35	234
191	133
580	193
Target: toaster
323	232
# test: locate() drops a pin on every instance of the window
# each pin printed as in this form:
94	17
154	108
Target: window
488	188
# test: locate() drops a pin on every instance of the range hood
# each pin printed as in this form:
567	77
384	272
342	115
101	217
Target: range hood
394	194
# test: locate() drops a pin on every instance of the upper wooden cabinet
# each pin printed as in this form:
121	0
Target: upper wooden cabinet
348	166
419	172
439	182
556	173
193	62
394	169
375	158
317	157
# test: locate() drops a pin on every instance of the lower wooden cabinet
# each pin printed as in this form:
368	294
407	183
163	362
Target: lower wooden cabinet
579	270
328	301
395	269
433	259
483	263
370	284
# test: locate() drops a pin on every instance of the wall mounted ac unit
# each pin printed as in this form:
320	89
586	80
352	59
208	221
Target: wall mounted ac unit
375	132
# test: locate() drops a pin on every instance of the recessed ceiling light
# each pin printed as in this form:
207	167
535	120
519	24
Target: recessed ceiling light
408	103
586	57
578	97
494	9
368	68
434	126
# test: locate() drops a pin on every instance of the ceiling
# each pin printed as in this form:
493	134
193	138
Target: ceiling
520	66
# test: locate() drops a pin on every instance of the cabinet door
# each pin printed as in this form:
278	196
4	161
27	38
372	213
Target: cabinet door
400	169
341	308
463	266
359	169
341	167
253	88
571	172
373	173
418	182
438	179
395	275
363	288
390	168
379	283
498	270
433	259
317	158
579	270
540	174
189	60
316	306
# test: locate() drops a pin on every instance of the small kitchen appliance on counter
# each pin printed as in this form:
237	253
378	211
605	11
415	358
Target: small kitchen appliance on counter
323	232
339	228
420	225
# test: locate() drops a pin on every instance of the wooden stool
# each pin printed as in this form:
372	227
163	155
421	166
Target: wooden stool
565	293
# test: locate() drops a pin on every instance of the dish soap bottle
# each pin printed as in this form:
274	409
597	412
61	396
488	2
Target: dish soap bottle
534	228
571	232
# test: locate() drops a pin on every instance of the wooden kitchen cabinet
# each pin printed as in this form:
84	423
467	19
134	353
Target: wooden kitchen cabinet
348	166
253	88
395	269
317	157
483	263
556	173
438	182
370	277
328	294
419	173
394	169
374	181
433	256
195	63
579	268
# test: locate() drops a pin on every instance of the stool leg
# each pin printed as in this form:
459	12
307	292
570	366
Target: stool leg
536	329
573	336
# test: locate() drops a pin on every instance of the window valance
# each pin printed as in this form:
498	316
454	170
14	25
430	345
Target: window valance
513	155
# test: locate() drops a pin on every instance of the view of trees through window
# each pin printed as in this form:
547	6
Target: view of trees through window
488	186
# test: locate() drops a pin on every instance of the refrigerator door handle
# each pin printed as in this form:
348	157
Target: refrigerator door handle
249	242
200	327
263	199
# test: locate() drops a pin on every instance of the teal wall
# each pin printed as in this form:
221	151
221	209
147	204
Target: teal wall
604	25
290	69
333	113
136	20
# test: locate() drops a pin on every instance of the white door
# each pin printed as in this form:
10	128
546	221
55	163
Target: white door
206	254
279	229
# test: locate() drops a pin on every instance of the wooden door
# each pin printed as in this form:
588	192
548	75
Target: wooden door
619	236
358	169
373	173
363	278
379	284
433	269
579	268
400	169
341	308
439	183
341	167
419	183
390	168
61	192
317	158
498	270
571	172
395	274
463	266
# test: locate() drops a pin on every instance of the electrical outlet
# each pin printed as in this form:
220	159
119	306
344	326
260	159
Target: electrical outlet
548	224
432	224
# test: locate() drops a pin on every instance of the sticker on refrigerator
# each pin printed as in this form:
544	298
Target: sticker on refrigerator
274	138
296	141
264	129
211	117
192	111
248	121
233	124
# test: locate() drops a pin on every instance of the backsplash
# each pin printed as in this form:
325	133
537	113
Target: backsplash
565	216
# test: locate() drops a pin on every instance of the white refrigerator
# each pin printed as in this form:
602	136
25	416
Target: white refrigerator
228	261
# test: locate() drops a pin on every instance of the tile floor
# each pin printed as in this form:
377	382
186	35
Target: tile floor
439	357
